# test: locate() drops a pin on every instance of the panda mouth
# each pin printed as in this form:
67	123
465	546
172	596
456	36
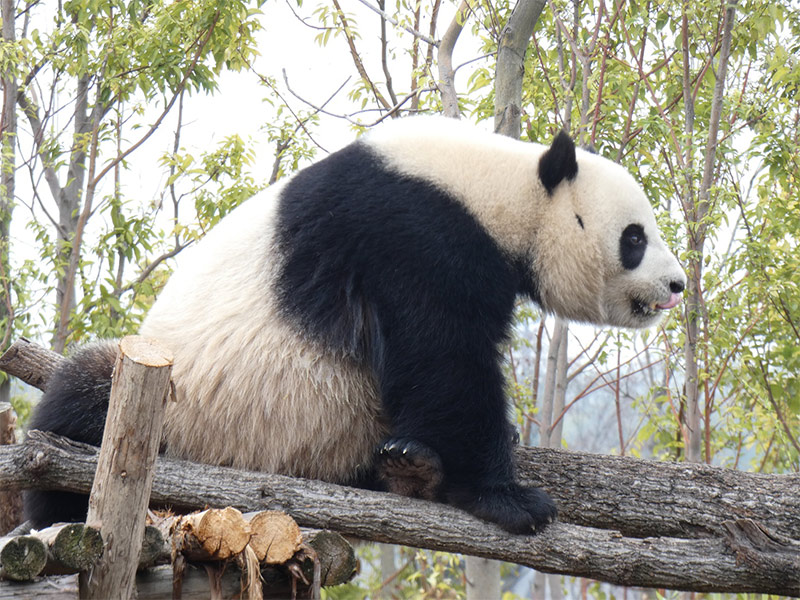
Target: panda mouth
651	309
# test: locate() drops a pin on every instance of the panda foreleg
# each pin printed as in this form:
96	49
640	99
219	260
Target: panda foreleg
74	405
408	467
458	416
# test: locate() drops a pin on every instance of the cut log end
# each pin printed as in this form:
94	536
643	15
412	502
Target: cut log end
145	351
275	537
222	533
23	558
338	562
77	547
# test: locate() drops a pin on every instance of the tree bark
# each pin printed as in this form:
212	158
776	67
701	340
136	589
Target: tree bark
719	561
30	362
696	215
8	145
121	488
511	66
447	85
659	505
10	500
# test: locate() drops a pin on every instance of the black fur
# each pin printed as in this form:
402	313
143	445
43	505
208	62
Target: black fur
558	162
74	405
632	246
396	273
410	468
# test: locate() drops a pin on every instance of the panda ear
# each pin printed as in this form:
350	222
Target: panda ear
558	162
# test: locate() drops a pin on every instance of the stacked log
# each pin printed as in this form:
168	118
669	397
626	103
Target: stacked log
261	546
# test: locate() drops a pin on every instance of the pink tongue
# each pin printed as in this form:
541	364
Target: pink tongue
673	301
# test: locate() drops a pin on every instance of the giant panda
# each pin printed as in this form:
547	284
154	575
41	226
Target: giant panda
347	325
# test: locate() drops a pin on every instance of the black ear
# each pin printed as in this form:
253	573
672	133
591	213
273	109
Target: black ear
558	162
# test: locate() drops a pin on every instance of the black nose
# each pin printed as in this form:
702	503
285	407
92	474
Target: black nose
676	287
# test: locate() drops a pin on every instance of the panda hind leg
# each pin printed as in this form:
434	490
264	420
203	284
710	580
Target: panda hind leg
408	467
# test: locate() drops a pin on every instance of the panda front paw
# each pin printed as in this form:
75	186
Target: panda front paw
513	507
409	468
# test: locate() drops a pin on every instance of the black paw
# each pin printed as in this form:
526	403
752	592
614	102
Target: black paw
409	468
513	507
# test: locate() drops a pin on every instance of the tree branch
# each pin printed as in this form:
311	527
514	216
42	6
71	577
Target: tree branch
679	526
362	71
447	85
384	15
514	41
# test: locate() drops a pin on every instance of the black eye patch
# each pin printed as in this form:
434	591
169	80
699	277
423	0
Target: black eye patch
632	246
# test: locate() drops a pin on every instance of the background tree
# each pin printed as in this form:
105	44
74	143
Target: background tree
644	82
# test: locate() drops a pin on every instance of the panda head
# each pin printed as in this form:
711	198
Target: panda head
598	256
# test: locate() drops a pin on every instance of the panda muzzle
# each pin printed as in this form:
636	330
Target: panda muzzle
673	301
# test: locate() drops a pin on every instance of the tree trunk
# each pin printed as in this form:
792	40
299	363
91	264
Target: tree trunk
514	41
697	237
447	86
8	145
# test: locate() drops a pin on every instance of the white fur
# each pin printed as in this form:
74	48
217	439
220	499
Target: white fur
580	273
250	392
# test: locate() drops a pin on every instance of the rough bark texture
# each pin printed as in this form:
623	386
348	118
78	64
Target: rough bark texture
10	500
744	527
719	562
30	362
514	41
121	489
642	498
447	86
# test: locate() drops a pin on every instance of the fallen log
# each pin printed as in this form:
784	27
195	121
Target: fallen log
30	362
638	498
709	564
641	543
71	547
208	536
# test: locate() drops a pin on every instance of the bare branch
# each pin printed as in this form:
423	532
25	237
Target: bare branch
362	71
393	21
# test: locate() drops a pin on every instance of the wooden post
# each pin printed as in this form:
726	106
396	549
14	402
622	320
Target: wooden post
121	490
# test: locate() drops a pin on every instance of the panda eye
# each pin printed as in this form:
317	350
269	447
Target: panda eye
632	246
634	235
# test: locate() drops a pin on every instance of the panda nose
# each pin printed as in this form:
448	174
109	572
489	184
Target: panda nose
676	287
